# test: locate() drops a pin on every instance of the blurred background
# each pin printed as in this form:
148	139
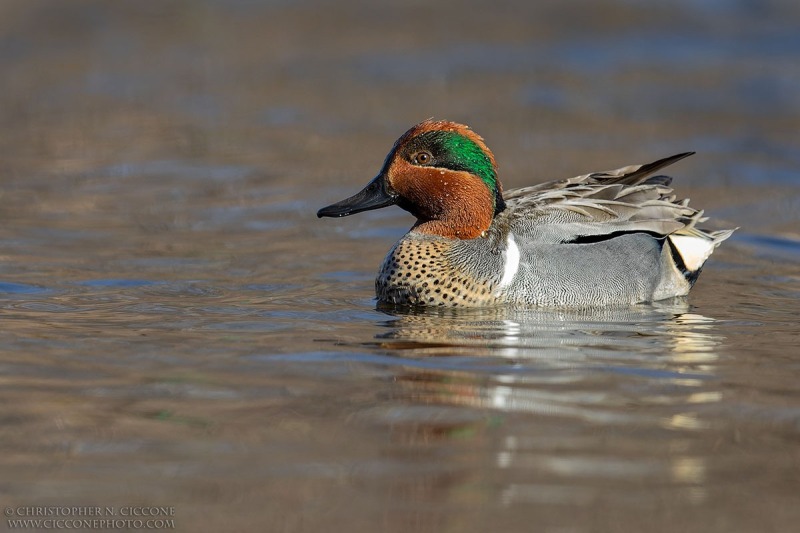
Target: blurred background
180	329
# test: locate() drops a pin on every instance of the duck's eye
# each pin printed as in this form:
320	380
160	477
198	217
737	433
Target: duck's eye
422	158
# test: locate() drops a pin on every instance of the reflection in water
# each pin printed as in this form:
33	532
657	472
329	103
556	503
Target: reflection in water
647	369
175	317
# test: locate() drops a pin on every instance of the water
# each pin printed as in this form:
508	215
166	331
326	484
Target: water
180	330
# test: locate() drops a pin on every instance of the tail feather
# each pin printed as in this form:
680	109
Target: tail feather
694	245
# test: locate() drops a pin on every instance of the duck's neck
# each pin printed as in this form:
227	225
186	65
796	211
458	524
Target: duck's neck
456	206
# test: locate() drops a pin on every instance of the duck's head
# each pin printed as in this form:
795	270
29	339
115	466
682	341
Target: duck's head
442	173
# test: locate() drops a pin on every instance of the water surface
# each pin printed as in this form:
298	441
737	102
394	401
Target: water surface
180	330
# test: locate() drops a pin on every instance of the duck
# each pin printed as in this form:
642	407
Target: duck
610	238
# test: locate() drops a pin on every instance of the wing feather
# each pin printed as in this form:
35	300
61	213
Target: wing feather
628	199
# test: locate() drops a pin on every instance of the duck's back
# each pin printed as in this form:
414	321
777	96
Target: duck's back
607	238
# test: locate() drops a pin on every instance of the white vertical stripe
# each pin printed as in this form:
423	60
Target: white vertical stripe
512	261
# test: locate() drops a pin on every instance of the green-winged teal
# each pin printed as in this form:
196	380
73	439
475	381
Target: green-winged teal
605	238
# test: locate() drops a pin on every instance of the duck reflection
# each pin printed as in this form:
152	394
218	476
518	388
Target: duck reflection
529	341
576	402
